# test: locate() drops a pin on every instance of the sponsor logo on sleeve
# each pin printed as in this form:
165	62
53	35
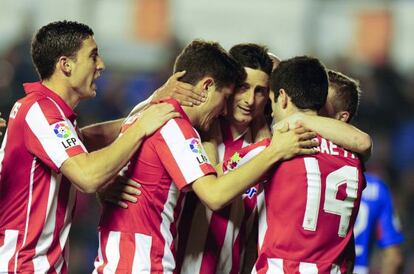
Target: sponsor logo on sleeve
198	151
250	192
64	132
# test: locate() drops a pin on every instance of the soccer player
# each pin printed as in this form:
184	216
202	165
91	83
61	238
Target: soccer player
376	219
213	242
43	158
172	161
311	202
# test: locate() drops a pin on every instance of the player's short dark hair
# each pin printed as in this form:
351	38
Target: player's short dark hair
305	81
205	58
56	39
347	92
253	56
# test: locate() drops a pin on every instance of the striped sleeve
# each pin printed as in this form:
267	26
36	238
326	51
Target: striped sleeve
49	135
182	154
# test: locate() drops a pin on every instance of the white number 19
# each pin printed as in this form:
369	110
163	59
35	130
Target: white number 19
345	175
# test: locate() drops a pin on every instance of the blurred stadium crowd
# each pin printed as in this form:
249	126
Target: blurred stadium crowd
386	113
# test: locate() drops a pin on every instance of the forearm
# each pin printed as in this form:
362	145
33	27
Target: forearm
100	135
392	260
89	171
218	192
341	133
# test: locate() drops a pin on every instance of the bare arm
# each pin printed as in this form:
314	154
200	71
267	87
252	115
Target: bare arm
100	135
89	171
341	133
216	192
391	260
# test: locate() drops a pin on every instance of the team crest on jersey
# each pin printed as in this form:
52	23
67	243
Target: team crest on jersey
198	150
234	161
63	131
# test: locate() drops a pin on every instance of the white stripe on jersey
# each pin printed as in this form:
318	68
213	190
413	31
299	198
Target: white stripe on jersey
40	261
167	216
72	126
2	151
235	221
308	268
63	237
314	194
100	260
232	231
181	152
7	249
29	205
142	255
195	249
112	252
275	266
261	210
38	123
336	269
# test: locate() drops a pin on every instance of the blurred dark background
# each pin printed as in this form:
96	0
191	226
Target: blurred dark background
139	39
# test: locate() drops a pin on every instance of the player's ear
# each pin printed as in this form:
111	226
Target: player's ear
283	98
64	64
207	82
342	116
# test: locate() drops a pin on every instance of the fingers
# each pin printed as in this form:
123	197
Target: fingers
131	190
309	144
307	151
178	74
185	93
300	130
306	135
162	107
128	198
117	202
283	127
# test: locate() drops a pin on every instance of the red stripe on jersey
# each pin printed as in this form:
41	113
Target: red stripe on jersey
179	179
215	240
184	226
103	240
73	151
36	220
50	110
62	203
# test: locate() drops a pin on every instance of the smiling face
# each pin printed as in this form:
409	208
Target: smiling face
86	67
250	99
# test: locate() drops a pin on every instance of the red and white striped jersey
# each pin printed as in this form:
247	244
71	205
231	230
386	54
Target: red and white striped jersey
310	207
36	202
140	239
214	242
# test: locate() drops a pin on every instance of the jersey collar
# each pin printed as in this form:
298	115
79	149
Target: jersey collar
39	87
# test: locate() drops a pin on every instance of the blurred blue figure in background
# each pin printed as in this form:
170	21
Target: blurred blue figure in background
377	221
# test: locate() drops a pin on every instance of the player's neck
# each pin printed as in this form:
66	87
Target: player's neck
193	115
68	95
296	110
238	129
